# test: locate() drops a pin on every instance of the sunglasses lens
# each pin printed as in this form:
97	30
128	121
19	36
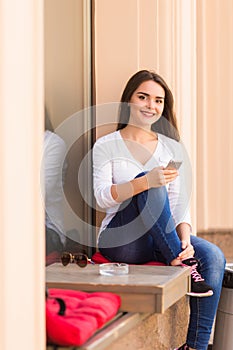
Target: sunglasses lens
65	258
81	260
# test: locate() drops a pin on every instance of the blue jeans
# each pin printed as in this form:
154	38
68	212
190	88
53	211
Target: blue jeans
142	231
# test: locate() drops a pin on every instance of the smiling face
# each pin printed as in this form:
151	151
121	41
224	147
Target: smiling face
146	104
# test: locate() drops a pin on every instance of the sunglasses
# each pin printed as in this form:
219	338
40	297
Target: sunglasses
80	259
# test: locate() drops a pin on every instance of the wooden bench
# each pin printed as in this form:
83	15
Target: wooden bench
147	293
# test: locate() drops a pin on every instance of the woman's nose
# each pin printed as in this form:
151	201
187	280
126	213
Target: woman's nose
151	104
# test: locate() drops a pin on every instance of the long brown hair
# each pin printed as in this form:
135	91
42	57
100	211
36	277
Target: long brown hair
167	123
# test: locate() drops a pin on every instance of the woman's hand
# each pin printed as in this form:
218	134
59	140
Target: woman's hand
159	176
188	250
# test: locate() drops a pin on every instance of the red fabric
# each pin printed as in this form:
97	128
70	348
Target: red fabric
52	258
98	258
84	314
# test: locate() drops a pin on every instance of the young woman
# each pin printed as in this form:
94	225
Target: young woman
146	201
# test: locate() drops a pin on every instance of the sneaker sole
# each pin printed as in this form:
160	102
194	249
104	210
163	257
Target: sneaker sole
201	295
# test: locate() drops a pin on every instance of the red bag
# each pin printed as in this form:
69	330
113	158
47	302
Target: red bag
73	316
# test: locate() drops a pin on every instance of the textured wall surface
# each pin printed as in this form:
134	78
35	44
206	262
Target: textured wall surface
223	239
158	331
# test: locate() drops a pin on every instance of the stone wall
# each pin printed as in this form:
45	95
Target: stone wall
223	239
158	331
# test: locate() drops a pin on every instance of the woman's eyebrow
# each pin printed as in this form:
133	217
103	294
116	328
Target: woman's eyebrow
144	93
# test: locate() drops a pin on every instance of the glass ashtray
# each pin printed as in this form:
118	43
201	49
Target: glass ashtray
113	269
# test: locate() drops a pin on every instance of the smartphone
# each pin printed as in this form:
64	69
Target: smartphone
173	164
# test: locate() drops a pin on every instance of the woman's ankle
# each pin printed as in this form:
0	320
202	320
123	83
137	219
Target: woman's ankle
175	262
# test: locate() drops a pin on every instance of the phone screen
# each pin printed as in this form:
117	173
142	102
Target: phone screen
173	164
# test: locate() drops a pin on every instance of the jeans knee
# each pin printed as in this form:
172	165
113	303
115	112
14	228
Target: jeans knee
208	252
215	261
216	255
220	259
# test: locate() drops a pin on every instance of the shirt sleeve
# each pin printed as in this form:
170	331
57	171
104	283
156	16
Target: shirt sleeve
54	160
102	175
179	190
179	202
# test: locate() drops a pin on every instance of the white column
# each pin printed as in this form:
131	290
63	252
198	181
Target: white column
176	27
22	322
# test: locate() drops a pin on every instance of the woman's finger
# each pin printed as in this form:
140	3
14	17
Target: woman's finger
187	252
170	172
169	178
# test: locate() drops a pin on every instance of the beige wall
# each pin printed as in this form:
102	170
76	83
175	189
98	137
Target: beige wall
214	118
63	58
123	34
190	44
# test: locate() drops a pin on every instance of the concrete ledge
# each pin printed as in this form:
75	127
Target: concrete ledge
146	289
158	331
115	331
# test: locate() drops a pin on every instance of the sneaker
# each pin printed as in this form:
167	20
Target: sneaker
199	288
183	347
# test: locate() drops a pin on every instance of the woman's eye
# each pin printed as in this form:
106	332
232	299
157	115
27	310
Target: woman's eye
141	97
159	101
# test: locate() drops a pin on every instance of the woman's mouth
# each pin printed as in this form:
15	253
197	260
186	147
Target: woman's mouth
148	114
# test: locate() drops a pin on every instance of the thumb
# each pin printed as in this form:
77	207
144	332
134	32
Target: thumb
184	244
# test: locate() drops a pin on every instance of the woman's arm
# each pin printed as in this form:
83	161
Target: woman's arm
157	177
184	231
107	193
179	203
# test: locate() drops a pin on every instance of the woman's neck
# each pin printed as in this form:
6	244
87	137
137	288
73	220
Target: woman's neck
135	133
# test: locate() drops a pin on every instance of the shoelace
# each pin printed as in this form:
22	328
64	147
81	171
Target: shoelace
196	276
